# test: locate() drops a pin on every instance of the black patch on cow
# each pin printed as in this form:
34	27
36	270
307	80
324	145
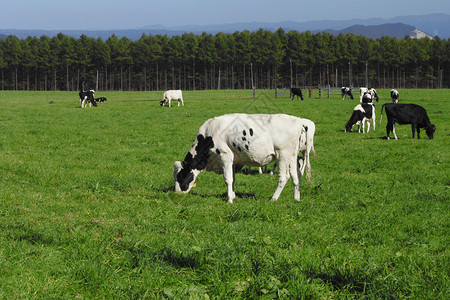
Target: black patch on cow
184	178
218	151
200	159
239	148
246	147
244	133
306	128
251	131
244	139
234	145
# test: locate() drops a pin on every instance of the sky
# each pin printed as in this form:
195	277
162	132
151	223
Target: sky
136	14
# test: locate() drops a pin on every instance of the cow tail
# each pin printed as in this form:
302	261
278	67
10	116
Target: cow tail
308	167
381	114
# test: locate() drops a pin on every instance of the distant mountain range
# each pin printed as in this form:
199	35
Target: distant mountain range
415	26
397	30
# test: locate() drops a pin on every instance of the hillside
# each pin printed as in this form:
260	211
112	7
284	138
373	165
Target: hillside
397	30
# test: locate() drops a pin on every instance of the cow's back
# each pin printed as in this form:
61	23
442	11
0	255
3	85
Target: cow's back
403	113
254	139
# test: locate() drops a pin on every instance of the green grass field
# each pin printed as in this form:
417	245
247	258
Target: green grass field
88	210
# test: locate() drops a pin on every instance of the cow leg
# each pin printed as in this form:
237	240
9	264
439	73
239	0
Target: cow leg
169	102
228	175
413	130
388	129
182	102
294	171
283	176
393	131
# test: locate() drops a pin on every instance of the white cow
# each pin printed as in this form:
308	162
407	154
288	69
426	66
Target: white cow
371	91
172	95
252	140
394	96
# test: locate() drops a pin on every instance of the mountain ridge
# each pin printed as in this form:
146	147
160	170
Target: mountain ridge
432	24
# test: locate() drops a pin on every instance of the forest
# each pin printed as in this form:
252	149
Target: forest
241	60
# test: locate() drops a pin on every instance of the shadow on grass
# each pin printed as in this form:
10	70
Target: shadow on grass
354	281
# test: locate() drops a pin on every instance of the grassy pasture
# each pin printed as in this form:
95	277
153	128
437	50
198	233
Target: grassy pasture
87	208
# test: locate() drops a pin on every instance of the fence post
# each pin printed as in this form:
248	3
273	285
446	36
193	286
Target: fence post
276	93
329	91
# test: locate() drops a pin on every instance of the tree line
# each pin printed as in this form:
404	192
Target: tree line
241	60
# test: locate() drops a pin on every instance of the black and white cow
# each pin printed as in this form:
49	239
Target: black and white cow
87	97
346	91
252	140
296	92
373	94
367	98
404	113
170	95
394	96
362	113
101	99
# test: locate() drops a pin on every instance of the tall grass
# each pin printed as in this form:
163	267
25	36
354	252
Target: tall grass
88	210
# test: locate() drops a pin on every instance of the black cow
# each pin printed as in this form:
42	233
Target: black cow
296	92
345	91
362	113
412	114
87	97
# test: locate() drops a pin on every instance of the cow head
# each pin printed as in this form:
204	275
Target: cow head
185	173
162	102
184	177
430	129
348	126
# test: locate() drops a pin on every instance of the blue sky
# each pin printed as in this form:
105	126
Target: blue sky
128	14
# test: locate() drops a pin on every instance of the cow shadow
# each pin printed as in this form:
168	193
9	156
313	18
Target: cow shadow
165	188
376	138
240	195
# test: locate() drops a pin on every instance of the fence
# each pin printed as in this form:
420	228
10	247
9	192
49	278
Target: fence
313	92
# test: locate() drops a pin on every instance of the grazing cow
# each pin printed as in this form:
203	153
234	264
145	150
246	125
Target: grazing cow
101	99
362	113
345	91
296	92
172	95
371	91
394	96
252	140
404	113
87	97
